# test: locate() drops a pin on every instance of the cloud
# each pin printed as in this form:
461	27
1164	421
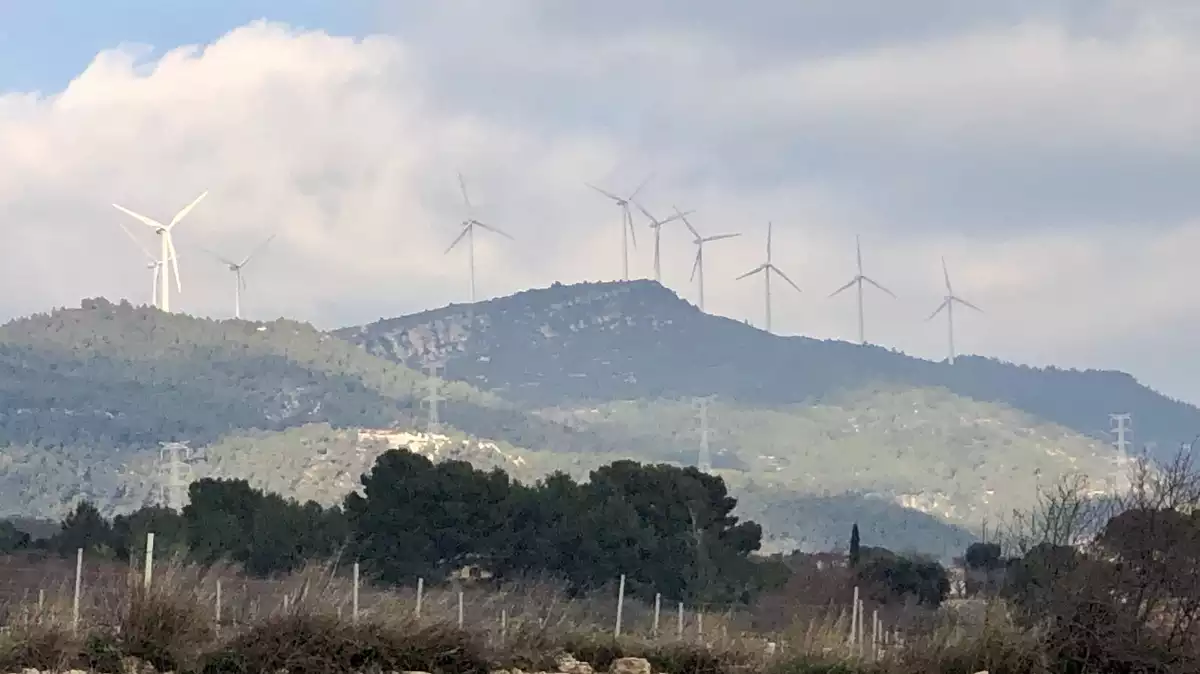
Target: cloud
1049	155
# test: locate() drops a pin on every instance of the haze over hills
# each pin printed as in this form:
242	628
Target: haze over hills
635	340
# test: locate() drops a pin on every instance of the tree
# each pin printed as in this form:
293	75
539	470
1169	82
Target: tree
12	539
84	528
855	551
129	532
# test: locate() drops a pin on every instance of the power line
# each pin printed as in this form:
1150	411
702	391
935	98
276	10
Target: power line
1121	429
704	461
176	474
432	398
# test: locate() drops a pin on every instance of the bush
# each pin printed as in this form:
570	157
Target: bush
164	627
319	644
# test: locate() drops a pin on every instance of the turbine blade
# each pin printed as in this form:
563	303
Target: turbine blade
258	250
653	220
673	218
965	303
683	216
139	243
872	282
141	218
844	288
241	278
606	193
718	237
946	275
773	268
629	224
639	187
462	187
460	237
174	259
494	230
752	272
186	209
695	266
937	311
220	257
769	226
858	254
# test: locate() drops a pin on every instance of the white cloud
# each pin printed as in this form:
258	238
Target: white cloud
348	149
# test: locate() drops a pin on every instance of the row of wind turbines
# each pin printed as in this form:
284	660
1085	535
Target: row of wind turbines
766	268
167	261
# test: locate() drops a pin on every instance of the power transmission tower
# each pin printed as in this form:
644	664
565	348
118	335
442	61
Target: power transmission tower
432	398
176	474
1121	428
704	462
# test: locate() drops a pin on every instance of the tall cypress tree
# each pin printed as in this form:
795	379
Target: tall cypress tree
854	546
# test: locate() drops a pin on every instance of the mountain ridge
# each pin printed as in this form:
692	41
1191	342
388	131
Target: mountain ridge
508	346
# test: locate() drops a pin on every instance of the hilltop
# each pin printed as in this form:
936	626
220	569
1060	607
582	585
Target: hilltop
597	342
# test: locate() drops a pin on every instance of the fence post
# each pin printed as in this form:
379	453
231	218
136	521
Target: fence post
503	626
148	571
78	581
700	624
657	611
41	603
217	611
620	606
679	632
354	597
420	596
854	620
460	608
875	634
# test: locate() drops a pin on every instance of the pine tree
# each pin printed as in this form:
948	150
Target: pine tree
854	546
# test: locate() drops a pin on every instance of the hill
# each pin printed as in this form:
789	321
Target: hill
597	342
87	395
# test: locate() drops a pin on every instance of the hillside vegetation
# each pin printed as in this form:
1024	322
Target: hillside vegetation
638	340
87	395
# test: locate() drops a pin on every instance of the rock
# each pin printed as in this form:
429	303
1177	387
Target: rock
30	670
630	666
567	664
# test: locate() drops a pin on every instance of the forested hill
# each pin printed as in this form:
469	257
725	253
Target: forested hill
114	376
639	340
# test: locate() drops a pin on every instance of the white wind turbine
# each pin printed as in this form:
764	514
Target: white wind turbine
155	265
627	231
766	269
237	268
858	280
468	231
657	225
168	255
698	265
948	304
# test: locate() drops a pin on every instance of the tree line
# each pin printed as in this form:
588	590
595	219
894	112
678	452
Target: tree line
669	530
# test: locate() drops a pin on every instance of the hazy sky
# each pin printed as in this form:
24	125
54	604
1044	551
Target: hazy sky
1048	149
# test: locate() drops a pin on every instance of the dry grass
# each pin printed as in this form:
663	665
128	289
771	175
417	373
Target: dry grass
302	623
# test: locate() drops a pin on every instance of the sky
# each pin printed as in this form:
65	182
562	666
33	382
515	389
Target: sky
1046	149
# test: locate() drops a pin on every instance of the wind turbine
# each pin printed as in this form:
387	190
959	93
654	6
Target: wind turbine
698	265
858	281
155	265
766	269
627	231
468	231
168	248
657	225
239	280
948	304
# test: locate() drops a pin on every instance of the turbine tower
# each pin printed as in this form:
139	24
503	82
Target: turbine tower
627	232
155	265
766	269
858	280
698	265
948	304
239	281
168	255
657	225
468	231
